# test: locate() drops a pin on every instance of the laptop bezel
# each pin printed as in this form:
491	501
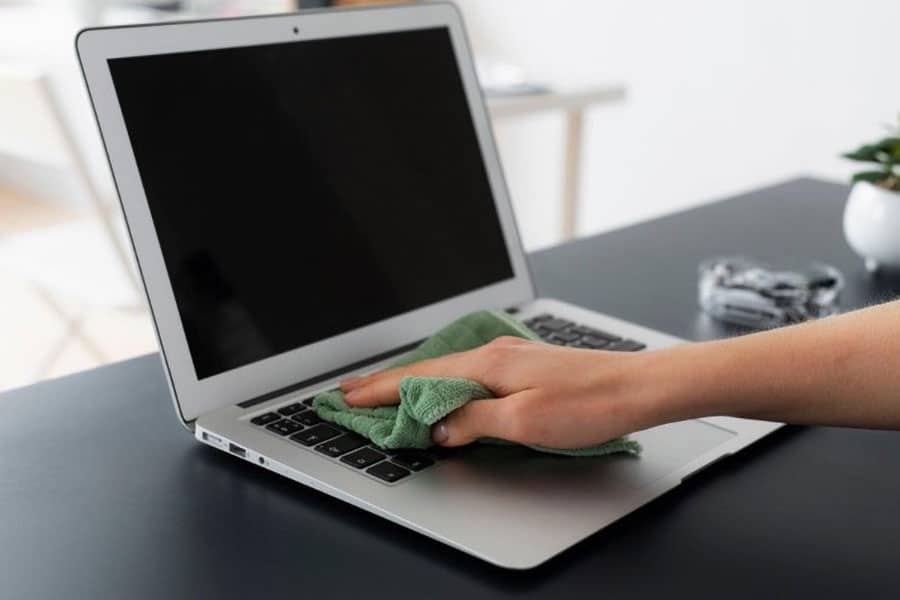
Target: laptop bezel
192	396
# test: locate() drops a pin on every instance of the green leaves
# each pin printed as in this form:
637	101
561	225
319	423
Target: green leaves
885	152
875	177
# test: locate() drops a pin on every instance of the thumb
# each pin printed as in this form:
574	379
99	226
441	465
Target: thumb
471	421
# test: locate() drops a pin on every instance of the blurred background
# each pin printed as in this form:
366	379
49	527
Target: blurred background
606	113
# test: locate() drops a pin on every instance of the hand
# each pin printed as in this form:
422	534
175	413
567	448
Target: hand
545	395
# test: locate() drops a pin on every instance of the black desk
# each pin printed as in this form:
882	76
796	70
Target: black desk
104	495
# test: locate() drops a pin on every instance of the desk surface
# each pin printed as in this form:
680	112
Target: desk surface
104	495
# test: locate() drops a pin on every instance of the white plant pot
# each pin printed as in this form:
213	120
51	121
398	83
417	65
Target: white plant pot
872	225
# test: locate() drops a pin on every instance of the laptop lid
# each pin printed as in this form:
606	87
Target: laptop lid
302	191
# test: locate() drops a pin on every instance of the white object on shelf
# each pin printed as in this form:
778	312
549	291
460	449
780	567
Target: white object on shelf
573	102
872	225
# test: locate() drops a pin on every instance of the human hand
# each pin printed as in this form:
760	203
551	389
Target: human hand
545	395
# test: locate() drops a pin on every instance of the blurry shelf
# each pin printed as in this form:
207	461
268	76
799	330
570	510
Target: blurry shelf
574	99
573	103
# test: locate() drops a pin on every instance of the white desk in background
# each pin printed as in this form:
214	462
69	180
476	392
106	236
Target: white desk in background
573	103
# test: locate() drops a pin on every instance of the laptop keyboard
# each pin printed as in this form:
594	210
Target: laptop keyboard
568	333
300	425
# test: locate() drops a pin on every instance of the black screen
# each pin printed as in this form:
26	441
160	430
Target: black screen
304	189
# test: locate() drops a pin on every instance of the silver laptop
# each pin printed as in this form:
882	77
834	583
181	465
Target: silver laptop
309	195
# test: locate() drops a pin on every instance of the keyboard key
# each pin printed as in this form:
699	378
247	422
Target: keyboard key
595	342
290	409
542	333
541	317
626	346
387	471
415	461
284	427
596	333
580	344
363	458
566	333
314	435
532	323
265	419
308	418
555	324
342	445
388	451
566	336
443	453
308	401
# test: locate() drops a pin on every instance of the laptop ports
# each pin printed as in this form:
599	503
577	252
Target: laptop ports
237	450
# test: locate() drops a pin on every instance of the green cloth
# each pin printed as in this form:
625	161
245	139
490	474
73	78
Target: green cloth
426	400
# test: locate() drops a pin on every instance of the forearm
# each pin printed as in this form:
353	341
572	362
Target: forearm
838	371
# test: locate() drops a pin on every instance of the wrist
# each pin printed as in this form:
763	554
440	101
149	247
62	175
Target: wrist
677	383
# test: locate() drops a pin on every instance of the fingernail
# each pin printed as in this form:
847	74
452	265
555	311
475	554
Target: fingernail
351	396
440	433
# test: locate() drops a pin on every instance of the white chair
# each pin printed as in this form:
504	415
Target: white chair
86	259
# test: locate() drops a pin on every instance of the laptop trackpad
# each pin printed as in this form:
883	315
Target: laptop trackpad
667	448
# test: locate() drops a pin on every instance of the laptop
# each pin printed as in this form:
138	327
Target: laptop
309	196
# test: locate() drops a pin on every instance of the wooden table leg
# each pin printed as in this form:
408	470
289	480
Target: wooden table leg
571	173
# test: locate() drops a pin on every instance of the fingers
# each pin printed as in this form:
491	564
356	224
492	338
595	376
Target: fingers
382	388
479	364
493	418
468	423
375	391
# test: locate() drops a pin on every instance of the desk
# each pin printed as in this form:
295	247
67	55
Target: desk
104	495
573	103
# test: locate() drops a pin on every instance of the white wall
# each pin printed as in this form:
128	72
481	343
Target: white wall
723	95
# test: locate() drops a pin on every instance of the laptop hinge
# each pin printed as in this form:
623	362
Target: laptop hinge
329	375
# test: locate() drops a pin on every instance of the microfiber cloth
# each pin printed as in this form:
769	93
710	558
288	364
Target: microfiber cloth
426	400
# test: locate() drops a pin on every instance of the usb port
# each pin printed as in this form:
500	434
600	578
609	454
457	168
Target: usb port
235	449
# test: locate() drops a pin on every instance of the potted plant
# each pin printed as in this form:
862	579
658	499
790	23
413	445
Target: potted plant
872	215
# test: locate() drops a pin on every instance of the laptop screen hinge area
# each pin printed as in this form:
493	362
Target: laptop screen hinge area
328	375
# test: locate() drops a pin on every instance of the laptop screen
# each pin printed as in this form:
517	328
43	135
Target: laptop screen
301	190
